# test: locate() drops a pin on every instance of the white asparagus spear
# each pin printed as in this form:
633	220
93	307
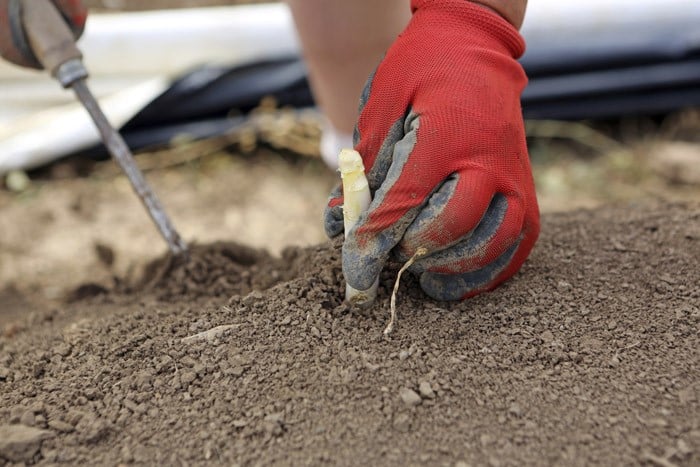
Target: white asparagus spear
356	199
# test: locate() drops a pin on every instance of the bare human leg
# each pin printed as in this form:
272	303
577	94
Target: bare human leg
343	41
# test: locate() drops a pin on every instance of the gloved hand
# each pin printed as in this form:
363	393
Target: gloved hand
13	41
443	142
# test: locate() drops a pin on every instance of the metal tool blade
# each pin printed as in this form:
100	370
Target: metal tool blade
122	155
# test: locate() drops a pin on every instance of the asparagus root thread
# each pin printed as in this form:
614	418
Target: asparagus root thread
421	251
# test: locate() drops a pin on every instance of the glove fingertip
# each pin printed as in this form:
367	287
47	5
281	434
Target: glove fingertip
333	221
360	268
441	287
333	229
451	287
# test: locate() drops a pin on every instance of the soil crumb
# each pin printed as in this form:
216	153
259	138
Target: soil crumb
217	270
589	356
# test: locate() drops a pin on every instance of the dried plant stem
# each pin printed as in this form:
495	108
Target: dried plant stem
390	326
211	334
660	461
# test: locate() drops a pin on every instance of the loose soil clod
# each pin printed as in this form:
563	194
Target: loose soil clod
214	270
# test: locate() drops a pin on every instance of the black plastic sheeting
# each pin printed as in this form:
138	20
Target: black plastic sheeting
629	73
212	100
217	92
624	68
603	94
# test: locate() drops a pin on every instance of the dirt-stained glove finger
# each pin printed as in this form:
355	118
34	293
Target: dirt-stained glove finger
368	245
461	228
468	237
333	213
459	286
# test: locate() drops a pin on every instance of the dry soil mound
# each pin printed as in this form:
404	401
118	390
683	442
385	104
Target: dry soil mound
589	356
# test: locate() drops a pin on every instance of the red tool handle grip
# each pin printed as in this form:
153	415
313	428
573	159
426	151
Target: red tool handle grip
50	38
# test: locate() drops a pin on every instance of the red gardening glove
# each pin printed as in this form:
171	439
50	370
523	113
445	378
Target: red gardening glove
13	41
442	138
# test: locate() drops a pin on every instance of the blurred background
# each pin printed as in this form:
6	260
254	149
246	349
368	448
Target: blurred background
227	133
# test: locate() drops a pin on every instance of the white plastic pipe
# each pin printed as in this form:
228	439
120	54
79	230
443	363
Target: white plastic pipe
171	41
130	57
592	30
42	137
556	18
125	49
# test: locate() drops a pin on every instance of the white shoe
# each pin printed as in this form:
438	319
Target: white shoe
332	141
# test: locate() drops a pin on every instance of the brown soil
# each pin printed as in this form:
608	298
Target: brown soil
214	270
67	230
590	356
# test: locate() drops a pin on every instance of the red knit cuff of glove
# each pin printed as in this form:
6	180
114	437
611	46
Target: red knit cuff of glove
477	17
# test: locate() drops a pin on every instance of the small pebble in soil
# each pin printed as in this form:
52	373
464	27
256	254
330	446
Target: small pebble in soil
274	424
187	377
92	429
426	390
402	423
684	448
61	426
126	454
19	443
410	397
27	418
515	410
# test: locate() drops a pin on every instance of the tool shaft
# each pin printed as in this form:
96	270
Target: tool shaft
122	155
53	44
